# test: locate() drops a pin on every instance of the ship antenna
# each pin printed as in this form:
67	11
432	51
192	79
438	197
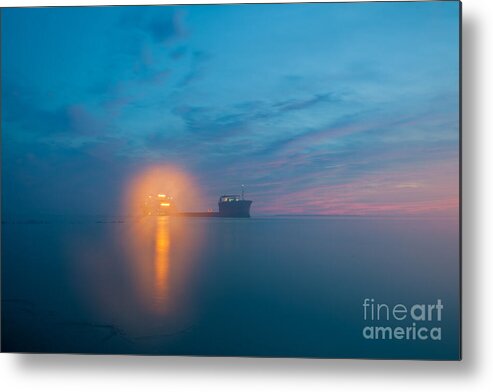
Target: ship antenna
242	192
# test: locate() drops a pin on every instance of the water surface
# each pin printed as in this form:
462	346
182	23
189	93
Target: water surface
265	286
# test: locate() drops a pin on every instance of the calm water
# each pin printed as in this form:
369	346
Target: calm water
272	286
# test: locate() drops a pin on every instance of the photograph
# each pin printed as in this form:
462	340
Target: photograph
232	180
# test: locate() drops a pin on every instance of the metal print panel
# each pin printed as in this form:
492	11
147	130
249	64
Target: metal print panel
272	180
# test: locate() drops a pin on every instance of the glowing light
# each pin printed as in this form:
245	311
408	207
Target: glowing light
165	204
156	180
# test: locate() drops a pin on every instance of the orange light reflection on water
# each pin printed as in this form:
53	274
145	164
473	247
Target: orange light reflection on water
162	248
162	259
161	253
141	274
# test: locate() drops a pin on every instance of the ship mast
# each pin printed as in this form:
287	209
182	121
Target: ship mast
242	192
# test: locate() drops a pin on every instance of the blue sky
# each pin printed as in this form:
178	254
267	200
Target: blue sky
317	108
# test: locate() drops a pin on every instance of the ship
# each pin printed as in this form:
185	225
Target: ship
230	206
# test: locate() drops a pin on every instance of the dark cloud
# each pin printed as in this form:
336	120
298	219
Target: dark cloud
22	107
298	104
167	27
25	109
222	123
162	25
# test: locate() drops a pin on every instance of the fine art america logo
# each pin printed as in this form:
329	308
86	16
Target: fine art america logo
401	322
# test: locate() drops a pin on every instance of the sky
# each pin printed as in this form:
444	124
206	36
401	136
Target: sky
316	108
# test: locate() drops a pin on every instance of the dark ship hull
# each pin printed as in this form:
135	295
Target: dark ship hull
198	214
235	209
230	206
231	209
